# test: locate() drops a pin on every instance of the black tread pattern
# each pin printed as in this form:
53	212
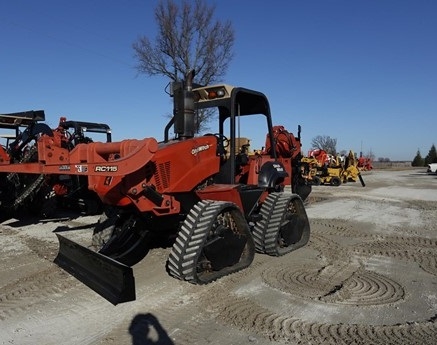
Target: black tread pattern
261	228
184	255
30	191
192	235
265	232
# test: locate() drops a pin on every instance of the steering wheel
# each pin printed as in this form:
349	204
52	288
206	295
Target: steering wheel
222	139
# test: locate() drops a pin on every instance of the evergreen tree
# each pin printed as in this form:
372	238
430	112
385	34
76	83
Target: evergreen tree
432	156
418	161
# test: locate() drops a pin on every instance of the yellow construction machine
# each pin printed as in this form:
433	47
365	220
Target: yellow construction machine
323	168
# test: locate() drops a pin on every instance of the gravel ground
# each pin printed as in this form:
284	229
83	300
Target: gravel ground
367	276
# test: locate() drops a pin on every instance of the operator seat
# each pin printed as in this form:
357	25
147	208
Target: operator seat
225	173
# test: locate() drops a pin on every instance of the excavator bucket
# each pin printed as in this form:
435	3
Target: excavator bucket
109	278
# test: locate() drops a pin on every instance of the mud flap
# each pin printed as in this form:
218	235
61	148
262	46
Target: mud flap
109	278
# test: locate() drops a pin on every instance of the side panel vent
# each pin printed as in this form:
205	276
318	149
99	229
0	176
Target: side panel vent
162	175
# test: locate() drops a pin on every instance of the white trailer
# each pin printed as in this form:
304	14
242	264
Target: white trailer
432	168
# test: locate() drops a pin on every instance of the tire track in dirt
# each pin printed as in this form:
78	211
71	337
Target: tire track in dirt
362	287
337	277
420	250
180	313
162	314
339	227
244	313
43	249
21	296
421	205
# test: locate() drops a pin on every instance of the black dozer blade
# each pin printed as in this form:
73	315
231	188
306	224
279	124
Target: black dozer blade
111	279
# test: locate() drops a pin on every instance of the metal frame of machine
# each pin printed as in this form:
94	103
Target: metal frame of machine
216	206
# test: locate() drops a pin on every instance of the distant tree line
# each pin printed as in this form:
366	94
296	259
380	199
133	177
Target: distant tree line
326	143
418	161
329	145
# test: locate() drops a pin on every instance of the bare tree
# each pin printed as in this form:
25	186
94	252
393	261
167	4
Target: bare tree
370	155
326	143
188	38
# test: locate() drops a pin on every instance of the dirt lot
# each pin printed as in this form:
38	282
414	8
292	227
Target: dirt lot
368	276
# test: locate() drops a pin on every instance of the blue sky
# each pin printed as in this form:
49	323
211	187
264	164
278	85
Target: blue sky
361	71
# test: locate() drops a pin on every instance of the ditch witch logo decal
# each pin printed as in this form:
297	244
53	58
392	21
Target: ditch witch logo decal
196	150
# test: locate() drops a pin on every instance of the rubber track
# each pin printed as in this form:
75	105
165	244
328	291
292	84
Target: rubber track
33	188
30	191
187	248
265	232
262	227
182	260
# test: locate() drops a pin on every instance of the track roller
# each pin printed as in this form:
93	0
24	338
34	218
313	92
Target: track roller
214	240
284	226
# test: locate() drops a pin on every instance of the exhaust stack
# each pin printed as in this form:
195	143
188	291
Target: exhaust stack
183	112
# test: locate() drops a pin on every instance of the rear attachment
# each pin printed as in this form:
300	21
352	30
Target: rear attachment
284	226
122	236
109	278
